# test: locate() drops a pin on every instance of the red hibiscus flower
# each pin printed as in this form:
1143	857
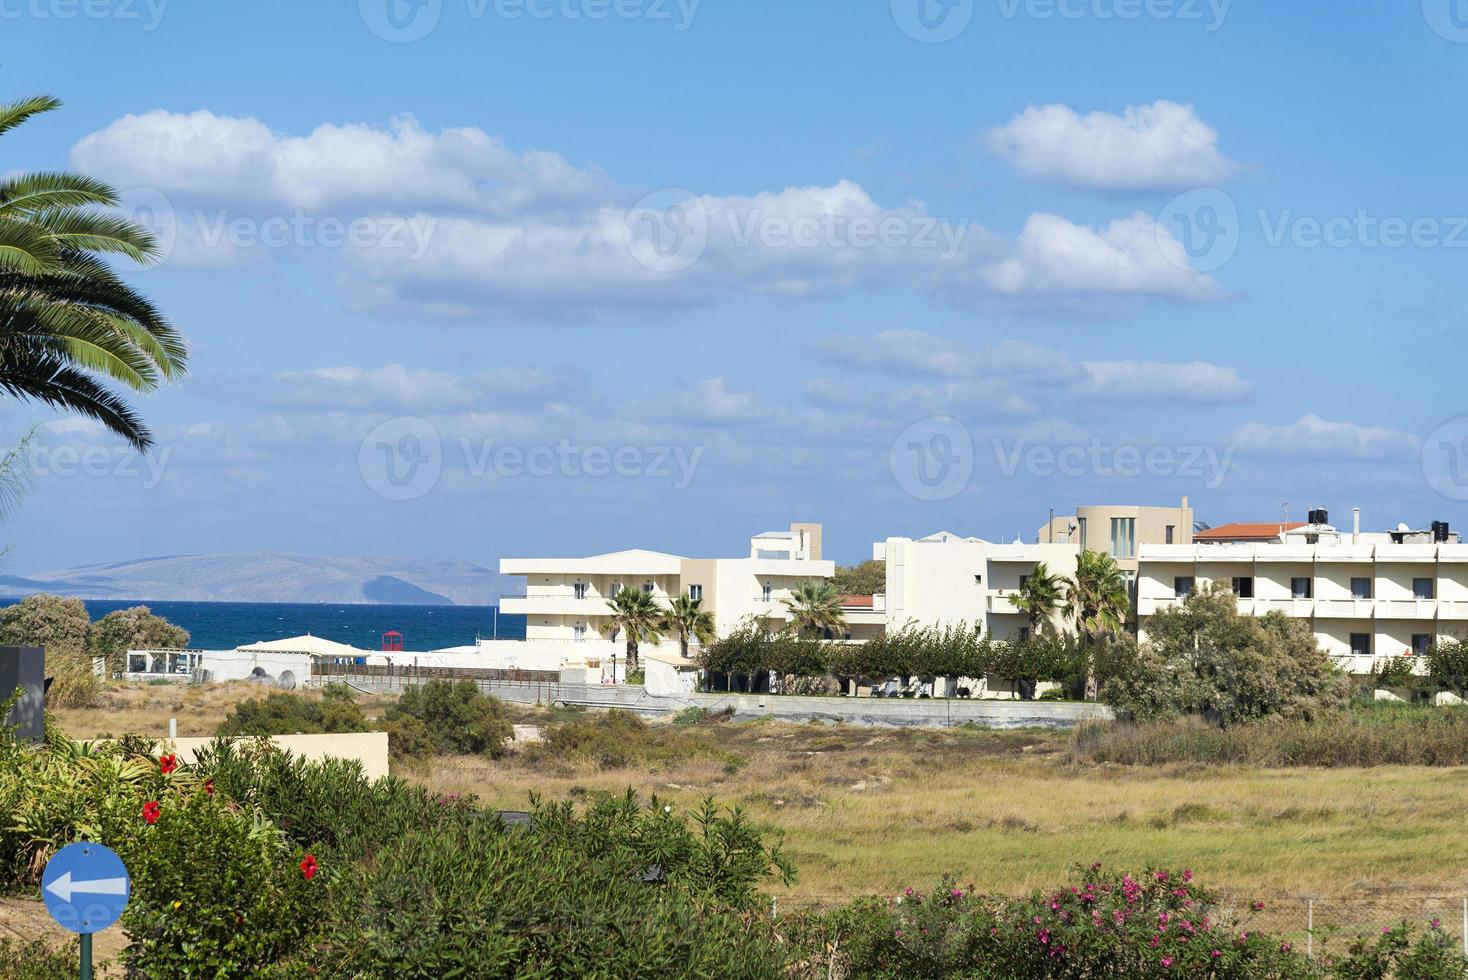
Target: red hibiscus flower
151	810
308	866
209	786
167	763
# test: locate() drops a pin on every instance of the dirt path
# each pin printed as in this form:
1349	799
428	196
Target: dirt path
26	919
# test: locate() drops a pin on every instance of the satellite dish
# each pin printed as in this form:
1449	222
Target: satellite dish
1403	526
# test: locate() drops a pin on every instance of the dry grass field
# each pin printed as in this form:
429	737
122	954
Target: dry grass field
867	811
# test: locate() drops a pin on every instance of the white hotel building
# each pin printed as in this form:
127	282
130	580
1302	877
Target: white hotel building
1367	596
565	600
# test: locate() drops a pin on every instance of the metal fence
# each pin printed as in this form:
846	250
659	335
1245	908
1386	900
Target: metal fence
545	684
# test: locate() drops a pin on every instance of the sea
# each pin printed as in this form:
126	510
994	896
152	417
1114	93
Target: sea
226	625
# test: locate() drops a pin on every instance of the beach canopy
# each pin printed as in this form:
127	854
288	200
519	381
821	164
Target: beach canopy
313	645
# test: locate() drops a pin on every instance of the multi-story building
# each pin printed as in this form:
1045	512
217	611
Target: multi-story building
565	603
1367	596
1120	531
947	579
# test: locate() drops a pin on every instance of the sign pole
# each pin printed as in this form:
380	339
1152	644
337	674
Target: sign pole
86	938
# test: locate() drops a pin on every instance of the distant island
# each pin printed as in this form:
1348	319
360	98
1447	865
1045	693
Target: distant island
273	577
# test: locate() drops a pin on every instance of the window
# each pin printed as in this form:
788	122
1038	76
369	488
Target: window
978	580
1302	588
1424	588
1081	524
1123	537
579	631
1168	535
695	592
1244	586
767	594
1360	588
1182	586
1023	581
1360	644
579	590
1421	643
616	588
647	587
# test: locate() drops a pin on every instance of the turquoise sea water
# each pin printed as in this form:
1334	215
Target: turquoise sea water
225	625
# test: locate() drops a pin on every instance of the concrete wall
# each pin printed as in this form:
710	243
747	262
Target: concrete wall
368	748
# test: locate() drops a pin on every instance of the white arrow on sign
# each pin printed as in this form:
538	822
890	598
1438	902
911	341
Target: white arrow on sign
63	887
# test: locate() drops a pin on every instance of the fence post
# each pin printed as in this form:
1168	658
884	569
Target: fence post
1310	929
1465	927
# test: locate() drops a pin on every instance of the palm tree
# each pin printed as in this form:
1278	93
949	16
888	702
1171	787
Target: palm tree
637	617
66	320
815	607
1097	602
688	621
1040	594
1097	598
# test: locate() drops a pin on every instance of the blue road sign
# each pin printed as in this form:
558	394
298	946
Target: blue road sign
85	887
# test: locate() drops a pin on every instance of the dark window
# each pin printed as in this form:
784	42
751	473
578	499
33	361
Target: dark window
1302	588
1244	586
1424	588
1171	528
1421	643
1360	588
978	580
695	592
1361	644
1182	586
1024	580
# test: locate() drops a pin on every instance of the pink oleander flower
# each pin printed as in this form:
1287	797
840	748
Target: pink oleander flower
1216	954
1187	874
1167	962
1258	906
1285	947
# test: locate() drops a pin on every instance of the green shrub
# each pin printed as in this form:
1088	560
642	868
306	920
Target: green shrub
1447	663
289	714
39	960
619	739
454	717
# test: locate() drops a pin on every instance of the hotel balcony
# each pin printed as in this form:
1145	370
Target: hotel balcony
1406	608
561	604
1149	605
1297	608
1345	608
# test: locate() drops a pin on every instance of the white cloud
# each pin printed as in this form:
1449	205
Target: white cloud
709	402
1131	256
226	160
454	224
1195	381
900	352
1158	146
1312	436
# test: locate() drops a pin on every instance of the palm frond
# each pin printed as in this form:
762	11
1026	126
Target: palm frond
33	193
12	114
53	382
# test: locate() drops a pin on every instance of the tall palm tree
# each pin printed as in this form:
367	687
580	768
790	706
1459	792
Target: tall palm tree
67	322
815	607
637	618
1098	603
1039	596
688	621
1097	596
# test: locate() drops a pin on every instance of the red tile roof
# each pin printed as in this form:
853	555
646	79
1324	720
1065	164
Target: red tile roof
857	601
1246	532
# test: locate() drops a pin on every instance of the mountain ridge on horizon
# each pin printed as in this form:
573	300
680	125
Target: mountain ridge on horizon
272	577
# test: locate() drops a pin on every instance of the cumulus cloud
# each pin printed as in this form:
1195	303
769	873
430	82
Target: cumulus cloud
1194	381
455	224
1159	146
1312	436
1131	256
240	161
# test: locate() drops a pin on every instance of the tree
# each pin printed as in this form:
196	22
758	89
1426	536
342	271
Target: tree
1203	657
136	629
1039	596
67	322
1097	601
815	607
637	618
687	620
867	578
453	717
50	621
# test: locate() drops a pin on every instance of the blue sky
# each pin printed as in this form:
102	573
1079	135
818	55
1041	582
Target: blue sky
433	260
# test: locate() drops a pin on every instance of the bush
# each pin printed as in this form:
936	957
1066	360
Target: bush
135	629
289	714
1447	663
48	621
453	716
618	739
1202	657
39	960
217	891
